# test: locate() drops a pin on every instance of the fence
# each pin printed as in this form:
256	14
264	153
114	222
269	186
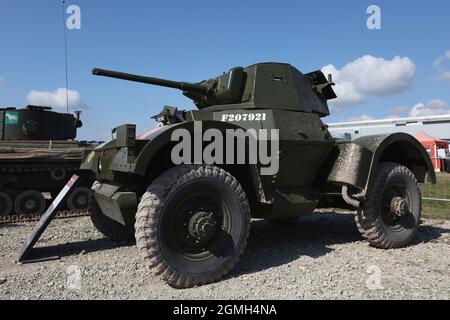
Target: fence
436	198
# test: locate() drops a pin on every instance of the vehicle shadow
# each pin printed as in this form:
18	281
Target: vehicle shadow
427	233
271	246
84	247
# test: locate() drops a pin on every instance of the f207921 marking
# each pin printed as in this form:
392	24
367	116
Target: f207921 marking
244	117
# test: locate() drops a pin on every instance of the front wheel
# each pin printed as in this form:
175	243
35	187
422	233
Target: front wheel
192	224
391	215
109	228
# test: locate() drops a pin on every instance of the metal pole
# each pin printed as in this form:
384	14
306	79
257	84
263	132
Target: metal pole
63	3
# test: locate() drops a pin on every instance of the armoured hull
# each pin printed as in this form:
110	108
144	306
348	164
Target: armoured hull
31	172
37	157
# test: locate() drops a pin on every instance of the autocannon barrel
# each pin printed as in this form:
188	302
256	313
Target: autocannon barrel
184	86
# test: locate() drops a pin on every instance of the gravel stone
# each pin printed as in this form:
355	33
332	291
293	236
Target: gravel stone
319	257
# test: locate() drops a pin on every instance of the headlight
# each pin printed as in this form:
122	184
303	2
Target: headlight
99	165
90	156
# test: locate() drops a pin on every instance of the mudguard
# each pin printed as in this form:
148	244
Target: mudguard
357	161
162	137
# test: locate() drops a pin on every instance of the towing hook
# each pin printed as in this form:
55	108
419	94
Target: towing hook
348	199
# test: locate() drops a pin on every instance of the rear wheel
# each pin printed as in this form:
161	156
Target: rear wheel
6	204
29	202
391	216
192	224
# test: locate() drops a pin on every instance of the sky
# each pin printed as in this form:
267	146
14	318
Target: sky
402	69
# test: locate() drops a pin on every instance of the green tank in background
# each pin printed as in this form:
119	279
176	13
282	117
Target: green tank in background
38	154
191	220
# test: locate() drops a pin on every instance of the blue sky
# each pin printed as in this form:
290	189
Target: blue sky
195	40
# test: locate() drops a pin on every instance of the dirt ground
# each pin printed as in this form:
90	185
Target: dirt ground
320	257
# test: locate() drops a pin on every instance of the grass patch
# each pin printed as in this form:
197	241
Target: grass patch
435	209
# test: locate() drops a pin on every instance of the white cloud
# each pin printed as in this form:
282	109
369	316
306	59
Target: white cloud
440	60
392	116
433	107
364	117
398	110
441	65
445	75
55	99
370	76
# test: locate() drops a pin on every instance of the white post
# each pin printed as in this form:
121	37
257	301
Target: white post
436	160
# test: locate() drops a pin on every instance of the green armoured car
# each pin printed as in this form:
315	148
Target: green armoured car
191	218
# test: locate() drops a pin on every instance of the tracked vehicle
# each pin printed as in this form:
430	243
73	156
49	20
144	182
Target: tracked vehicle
191	220
38	154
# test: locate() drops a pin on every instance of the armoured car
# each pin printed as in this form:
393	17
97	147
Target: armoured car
191	220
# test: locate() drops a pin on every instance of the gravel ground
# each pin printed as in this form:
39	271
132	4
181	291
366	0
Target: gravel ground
320	257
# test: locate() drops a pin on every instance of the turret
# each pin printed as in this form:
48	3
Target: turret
259	86
37	123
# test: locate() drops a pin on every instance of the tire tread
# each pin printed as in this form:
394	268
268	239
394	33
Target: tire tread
371	226
146	226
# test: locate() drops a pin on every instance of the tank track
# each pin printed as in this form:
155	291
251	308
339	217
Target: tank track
70	167
26	168
65	214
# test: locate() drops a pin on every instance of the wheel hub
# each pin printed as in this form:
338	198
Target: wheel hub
30	204
399	206
82	200
202	226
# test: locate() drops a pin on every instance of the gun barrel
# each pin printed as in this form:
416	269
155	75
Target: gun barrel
184	86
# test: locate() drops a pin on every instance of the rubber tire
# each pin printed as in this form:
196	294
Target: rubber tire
150	242
369	222
9	204
20	197
70	199
111	229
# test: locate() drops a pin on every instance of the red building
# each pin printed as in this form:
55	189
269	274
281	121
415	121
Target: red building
436	148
